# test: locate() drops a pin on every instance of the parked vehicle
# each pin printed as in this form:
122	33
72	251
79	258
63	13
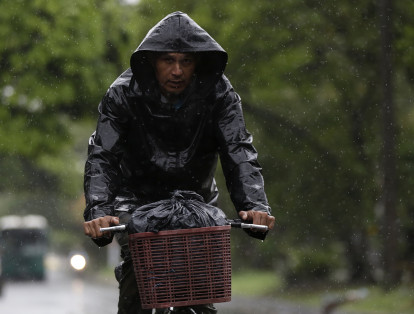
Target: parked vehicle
23	244
1	278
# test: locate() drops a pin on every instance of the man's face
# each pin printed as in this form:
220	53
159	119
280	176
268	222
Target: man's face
174	72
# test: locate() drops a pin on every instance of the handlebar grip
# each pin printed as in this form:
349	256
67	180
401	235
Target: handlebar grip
238	224
253	226
113	228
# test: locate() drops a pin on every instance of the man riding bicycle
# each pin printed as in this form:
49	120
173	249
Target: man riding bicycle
162	125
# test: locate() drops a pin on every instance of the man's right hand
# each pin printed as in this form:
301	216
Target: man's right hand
92	227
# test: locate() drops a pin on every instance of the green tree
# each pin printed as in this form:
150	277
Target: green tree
57	60
308	74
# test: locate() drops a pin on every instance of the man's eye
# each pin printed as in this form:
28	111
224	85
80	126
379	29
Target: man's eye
168	60
188	61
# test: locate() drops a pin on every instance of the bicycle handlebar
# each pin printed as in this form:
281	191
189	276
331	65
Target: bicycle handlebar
233	223
239	224
114	228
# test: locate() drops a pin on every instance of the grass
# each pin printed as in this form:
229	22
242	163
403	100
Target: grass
255	283
377	301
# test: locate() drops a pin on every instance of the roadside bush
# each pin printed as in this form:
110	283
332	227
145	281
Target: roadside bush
310	264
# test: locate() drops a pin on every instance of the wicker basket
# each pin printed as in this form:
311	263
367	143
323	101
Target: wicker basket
182	267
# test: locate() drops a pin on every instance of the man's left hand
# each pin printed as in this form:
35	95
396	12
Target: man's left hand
258	218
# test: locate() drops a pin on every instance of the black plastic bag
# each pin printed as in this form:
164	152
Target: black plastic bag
184	210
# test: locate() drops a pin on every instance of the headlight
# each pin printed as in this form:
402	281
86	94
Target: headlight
78	262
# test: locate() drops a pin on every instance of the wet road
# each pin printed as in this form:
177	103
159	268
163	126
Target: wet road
64	293
60	293
247	305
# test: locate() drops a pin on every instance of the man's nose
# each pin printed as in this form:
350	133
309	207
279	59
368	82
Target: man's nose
177	69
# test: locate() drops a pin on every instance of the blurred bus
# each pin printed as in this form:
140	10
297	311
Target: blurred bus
23	246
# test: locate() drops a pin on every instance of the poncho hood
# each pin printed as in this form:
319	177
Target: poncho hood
177	32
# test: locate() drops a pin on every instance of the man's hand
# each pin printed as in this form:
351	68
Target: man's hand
258	218
91	228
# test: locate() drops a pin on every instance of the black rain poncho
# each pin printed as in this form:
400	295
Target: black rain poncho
148	147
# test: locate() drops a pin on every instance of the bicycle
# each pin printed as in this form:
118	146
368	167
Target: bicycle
177	269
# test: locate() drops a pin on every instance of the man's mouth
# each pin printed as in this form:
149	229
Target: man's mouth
175	84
